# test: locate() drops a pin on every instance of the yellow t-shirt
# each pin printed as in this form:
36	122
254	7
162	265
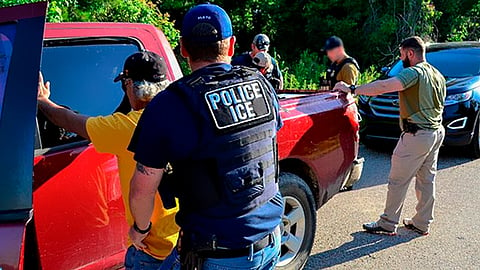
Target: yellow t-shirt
112	134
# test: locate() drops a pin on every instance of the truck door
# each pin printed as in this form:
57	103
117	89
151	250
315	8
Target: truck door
79	211
21	34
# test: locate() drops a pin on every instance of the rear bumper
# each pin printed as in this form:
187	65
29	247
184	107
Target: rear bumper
355	173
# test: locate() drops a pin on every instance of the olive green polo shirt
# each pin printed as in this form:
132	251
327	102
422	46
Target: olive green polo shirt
423	97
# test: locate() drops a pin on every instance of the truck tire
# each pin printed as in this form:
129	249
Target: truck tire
475	144
298	223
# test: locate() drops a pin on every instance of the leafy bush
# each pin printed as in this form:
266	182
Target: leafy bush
368	75
304	73
140	11
309	70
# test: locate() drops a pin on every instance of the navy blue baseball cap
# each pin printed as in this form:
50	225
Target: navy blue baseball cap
206	14
332	43
144	65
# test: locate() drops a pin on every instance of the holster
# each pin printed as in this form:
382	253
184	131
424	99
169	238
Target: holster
409	127
190	260
191	251
167	189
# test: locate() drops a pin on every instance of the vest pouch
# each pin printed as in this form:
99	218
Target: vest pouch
197	185
244	184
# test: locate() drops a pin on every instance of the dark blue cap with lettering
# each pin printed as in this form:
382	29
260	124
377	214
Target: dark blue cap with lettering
206	15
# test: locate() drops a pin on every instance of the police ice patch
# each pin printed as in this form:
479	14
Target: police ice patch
238	104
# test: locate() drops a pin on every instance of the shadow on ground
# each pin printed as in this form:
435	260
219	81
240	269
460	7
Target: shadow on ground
377	162
362	245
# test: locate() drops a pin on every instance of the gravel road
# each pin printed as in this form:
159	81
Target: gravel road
454	241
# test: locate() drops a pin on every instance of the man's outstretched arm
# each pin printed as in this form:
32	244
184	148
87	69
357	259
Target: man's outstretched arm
59	115
373	89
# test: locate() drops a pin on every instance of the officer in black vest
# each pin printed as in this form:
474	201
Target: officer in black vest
343	68
217	128
261	43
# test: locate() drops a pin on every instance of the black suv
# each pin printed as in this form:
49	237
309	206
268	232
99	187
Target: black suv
459	62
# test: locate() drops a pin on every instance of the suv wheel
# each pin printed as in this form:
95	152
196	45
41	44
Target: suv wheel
298	222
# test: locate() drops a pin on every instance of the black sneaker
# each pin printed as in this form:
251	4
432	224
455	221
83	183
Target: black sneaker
408	222
373	227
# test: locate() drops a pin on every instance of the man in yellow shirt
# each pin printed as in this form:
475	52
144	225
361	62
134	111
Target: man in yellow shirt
143	76
343	68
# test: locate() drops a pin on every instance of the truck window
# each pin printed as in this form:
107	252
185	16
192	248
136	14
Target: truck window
81	74
7	34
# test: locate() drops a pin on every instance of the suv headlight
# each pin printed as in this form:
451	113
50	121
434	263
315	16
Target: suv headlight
457	98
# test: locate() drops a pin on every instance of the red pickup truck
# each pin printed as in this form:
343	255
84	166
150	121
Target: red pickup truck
78	214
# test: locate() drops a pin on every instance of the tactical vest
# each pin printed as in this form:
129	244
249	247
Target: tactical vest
334	69
234	165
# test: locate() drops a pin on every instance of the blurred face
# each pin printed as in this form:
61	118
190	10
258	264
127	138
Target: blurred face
127	87
255	50
335	54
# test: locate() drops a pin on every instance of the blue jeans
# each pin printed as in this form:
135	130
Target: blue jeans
265	259
139	260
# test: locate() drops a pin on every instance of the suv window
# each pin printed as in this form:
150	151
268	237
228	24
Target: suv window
81	74
7	34
452	63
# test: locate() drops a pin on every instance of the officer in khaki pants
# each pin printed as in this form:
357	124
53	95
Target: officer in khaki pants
421	89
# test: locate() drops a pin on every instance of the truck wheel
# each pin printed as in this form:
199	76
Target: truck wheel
298	222
475	145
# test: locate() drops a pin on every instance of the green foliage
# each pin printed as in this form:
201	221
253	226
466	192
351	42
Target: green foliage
306	73
139	11
459	20
309	71
368	75
371	30
466	26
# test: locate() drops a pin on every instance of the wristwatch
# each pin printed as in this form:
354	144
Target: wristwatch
140	231
352	89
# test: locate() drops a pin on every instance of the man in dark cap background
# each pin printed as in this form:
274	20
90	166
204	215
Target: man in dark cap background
261	43
144	75
343	67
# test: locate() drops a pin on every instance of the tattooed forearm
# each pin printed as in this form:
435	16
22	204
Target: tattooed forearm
144	170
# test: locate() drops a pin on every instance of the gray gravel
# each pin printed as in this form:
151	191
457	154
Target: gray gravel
453	243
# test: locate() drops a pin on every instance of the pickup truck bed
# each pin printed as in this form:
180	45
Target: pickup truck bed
321	132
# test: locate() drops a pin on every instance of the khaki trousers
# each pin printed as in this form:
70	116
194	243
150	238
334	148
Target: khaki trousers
414	156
